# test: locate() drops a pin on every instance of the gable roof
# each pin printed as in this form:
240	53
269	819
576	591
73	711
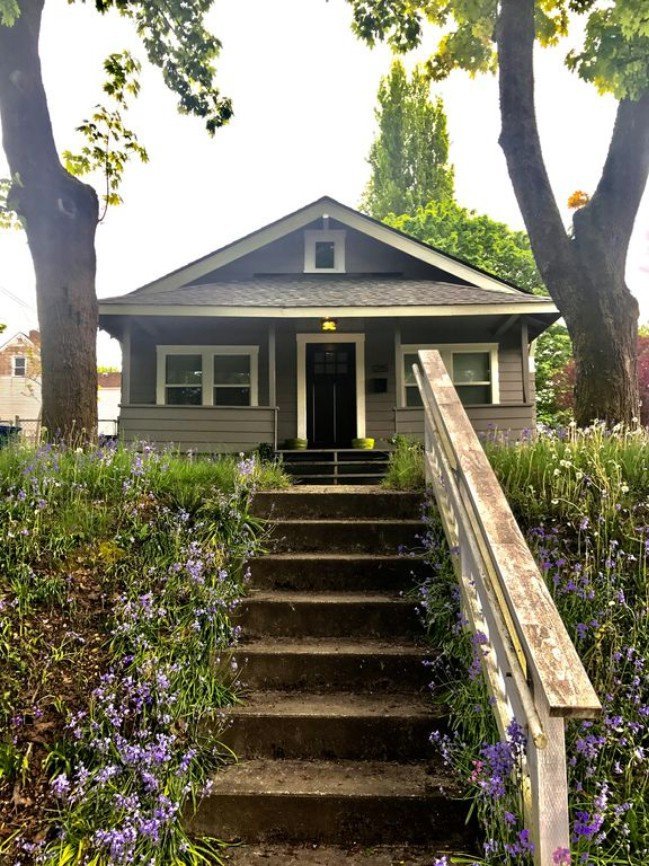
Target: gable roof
332	291
325	206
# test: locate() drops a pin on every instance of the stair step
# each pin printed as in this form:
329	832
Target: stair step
337	571
365	536
338	802
380	727
299	614
320	664
329	855
353	501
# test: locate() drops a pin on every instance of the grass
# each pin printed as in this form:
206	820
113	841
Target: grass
406	465
119	574
582	500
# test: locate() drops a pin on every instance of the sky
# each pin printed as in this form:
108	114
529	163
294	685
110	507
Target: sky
304	92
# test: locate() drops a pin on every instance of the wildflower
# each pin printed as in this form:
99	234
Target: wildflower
561	857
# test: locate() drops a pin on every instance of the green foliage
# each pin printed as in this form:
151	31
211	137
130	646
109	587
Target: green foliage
553	351
406	465
614	55
580	497
476	239
110	568
409	157
175	39
110	144
9	219
9	12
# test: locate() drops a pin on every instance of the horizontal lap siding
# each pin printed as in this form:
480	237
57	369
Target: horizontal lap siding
379	364
510	375
207	430
512	419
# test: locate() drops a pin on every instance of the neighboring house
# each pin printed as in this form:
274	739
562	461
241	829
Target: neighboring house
20	386
108	400
308	328
20	377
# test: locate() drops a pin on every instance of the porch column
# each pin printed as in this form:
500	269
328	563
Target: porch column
125	344
272	367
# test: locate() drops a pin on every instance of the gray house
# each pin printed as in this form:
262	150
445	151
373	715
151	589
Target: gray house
308	327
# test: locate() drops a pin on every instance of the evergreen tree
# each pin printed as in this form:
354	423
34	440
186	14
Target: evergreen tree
409	157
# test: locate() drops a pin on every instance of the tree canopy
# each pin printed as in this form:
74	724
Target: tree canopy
583	268
475	238
58	211
410	156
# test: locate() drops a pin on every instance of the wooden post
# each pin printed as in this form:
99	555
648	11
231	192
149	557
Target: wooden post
547	803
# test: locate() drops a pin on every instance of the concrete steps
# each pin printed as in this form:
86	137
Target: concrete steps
332	614
368	802
362	727
333	731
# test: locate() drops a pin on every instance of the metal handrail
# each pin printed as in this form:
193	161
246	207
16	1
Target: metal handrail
532	669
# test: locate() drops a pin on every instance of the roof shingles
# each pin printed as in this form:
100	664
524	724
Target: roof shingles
289	291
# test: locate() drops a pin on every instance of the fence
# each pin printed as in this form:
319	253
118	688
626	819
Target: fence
531	666
30	429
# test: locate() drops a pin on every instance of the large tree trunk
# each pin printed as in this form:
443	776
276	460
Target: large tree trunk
584	273
60	215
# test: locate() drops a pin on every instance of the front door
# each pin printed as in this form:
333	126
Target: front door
331	394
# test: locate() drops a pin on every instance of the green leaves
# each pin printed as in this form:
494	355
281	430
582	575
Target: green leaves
9	219
9	12
110	143
176	40
409	157
614	56
476	239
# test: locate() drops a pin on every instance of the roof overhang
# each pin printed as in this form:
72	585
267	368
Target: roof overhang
160	310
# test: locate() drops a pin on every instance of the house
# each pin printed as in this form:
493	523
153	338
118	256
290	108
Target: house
20	377
308	327
20	387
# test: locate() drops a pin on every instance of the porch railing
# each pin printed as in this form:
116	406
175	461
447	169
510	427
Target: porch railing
532	669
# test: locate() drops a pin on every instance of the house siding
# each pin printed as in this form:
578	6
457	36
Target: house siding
221	429
206	429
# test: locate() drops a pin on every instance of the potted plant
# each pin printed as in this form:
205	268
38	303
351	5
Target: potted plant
296	444
366	444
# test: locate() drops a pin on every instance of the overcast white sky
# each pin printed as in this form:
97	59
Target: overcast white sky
304	91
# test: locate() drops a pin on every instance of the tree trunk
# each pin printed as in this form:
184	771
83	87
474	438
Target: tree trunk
60	215
584	273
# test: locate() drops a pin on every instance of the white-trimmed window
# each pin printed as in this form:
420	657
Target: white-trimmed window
19	365
473	368
324	251
207	375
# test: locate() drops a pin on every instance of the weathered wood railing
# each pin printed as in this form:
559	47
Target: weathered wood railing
532	669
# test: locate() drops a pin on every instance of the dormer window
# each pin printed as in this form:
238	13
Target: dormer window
324	251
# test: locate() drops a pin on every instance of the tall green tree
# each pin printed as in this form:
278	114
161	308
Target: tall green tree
59	211
409	157
582	268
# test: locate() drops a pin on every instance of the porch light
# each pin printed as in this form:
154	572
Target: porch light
328	326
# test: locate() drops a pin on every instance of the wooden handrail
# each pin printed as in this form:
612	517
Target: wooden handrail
532	669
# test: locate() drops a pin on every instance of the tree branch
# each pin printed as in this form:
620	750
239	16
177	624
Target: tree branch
521	143
614	205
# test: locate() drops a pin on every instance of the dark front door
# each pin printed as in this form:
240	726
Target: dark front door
331	394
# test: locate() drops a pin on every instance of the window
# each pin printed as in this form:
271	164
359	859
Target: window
19	365
324	251
232	380
207	375
473	368
183	380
